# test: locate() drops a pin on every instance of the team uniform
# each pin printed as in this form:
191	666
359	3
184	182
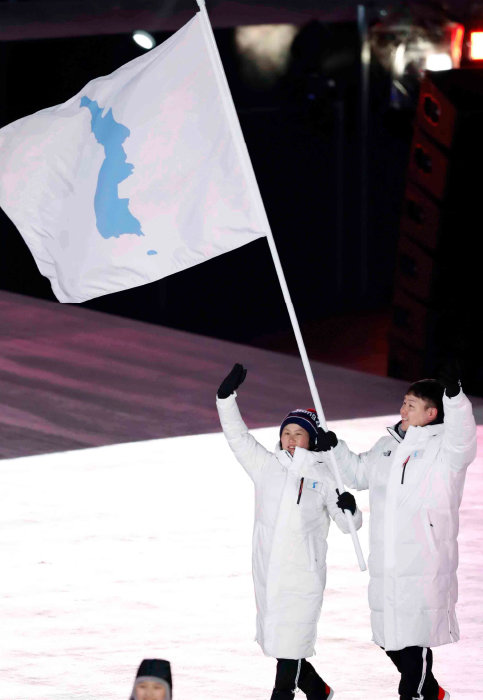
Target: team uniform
415	481
295	497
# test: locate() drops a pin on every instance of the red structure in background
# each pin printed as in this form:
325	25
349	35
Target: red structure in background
435	305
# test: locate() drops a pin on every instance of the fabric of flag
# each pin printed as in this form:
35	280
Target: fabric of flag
142	174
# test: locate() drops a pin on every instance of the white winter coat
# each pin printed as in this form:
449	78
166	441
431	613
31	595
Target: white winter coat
413	525
289	537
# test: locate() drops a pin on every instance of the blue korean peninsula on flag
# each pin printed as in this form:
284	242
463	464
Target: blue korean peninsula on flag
142	174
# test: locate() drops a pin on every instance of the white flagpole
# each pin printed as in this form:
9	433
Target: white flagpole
250	175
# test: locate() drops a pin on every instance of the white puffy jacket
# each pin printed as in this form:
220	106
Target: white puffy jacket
289	536
415	489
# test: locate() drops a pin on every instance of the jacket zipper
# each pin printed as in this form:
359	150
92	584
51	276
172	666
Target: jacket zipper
404	469
300	490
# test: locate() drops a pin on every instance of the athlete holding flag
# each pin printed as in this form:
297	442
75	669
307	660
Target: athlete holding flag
415	476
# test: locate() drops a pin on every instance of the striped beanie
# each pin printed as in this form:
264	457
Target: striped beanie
306	418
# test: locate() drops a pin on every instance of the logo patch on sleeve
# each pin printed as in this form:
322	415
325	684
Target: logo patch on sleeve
387	453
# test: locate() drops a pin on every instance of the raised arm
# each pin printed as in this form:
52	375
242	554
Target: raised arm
251	455
459	440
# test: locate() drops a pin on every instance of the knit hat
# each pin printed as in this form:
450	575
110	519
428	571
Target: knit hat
155	670
306	418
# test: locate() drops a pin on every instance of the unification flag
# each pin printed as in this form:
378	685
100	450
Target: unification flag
143	173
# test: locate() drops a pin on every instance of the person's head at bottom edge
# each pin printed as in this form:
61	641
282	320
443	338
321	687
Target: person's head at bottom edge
153	681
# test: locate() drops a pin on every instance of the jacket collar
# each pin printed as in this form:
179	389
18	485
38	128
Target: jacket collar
416	432
393	432
302	460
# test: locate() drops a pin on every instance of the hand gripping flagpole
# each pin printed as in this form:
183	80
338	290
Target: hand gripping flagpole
250	176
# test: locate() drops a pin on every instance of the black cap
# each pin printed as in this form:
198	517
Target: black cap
156	668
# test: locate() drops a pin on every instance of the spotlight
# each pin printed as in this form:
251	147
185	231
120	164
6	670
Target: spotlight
476	45
143	39
264	50
438	61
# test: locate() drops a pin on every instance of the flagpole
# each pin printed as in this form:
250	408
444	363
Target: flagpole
250	175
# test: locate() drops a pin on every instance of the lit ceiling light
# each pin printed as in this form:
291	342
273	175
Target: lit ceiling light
144	39
265	47
438	61
476	46
399	60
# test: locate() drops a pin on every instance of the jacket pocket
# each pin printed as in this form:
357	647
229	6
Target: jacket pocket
429	531
312	555
317	551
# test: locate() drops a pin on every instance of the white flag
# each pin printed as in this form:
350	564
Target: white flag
143	173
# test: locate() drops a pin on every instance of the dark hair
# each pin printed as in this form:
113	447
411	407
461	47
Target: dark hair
431	392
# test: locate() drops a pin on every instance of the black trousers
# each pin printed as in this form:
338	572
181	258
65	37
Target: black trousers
417	680
292	673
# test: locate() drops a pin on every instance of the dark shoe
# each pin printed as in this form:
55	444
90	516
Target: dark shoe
442	695
282	695
314	687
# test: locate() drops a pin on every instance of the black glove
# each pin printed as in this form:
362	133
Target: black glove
232	381
346	501
450	376
325	440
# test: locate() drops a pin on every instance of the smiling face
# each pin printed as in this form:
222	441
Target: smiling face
293	436
150	690
415	411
